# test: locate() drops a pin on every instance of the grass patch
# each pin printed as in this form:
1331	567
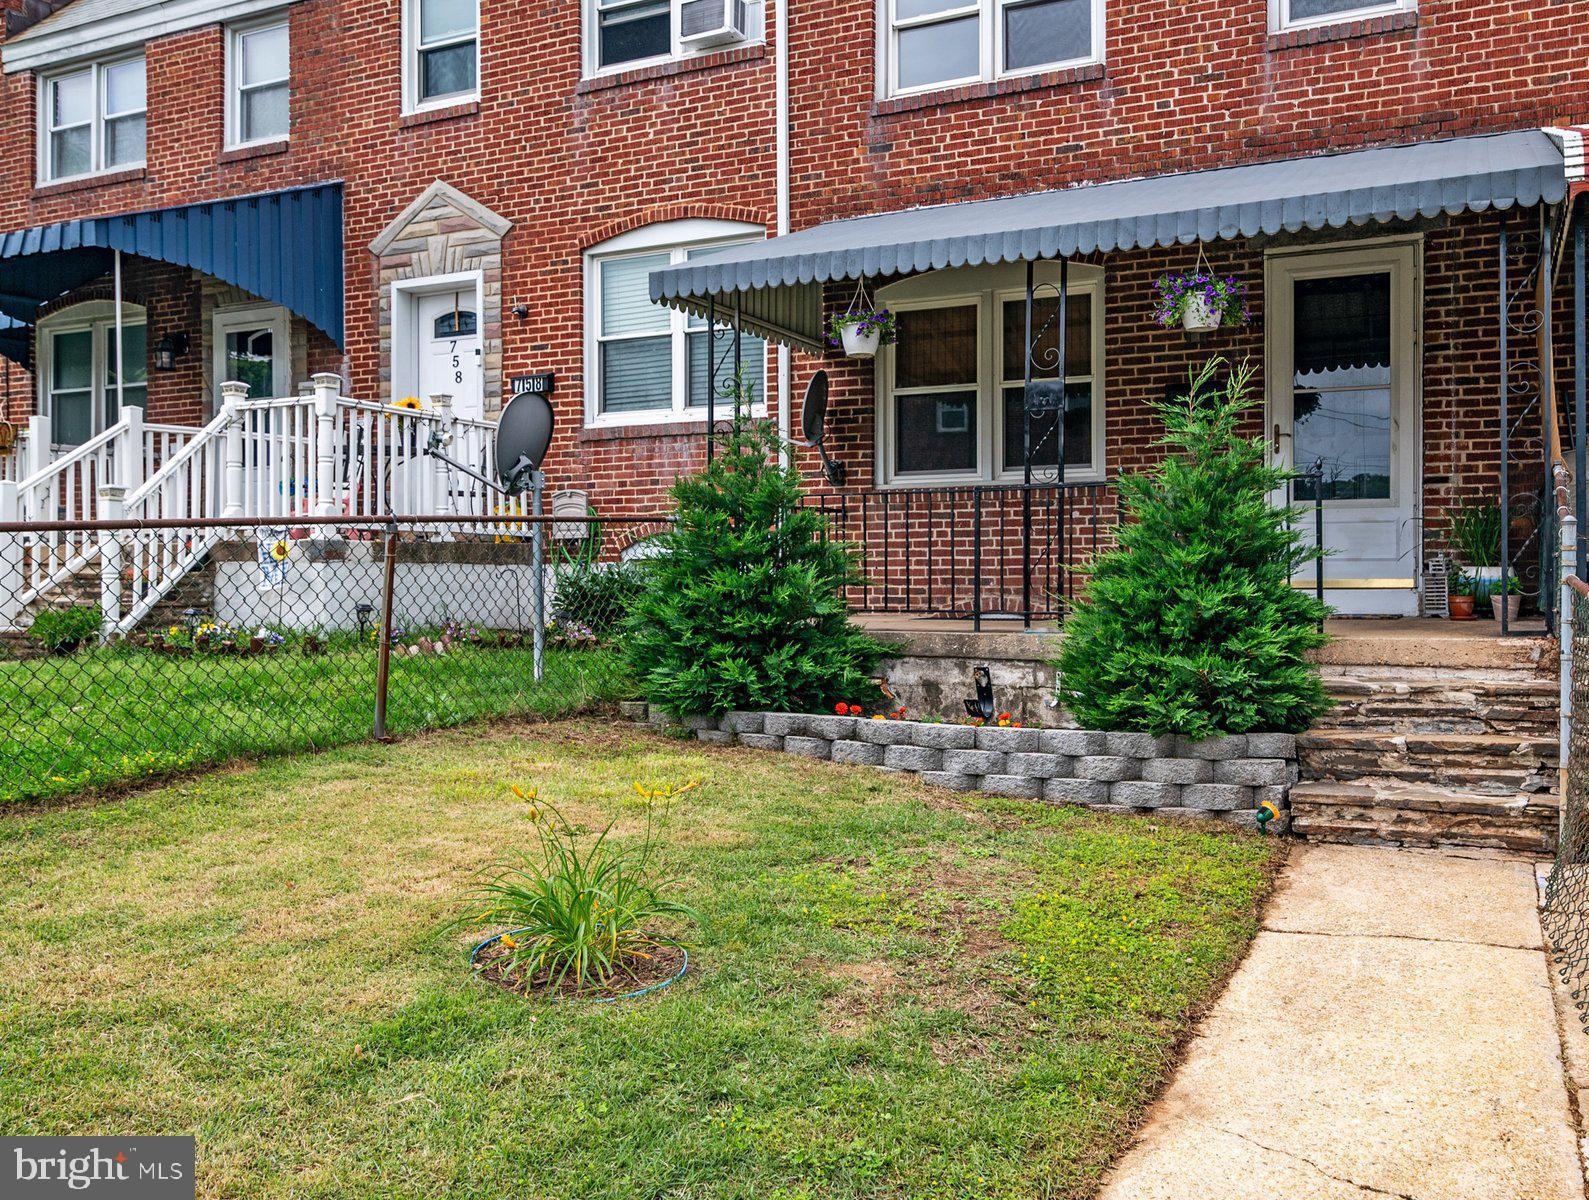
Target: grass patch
118	715
894	993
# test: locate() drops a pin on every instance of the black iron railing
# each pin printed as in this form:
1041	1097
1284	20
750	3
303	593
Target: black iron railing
973	552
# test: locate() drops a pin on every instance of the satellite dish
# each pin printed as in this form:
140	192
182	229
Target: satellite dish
813	423
524	434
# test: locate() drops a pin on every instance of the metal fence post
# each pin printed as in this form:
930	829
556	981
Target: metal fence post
10	553
1565	628
976	560
383	668
112	507
537	565
326	389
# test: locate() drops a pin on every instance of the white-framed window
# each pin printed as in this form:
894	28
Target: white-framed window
92	120
249	344
1308	14
77	368
258	75
951	390
621	35
932	44
646	363
441	53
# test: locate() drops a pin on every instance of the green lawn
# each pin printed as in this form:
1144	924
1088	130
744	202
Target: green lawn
896	993
111	716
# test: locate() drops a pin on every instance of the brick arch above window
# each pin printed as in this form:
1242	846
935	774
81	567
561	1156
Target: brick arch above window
101	293
659	214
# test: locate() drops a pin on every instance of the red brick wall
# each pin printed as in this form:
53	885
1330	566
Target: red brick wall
1186	85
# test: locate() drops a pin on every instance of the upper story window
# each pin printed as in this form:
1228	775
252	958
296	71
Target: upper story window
942	43
93	120
258	68
1305	14
442	40
623	34
649	363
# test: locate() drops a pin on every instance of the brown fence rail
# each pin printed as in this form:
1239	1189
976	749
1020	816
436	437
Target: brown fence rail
131	650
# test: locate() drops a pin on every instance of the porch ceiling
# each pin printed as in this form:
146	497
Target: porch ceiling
281	246
776	285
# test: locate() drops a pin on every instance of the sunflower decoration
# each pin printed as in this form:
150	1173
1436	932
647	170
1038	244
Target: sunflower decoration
280	549
411	403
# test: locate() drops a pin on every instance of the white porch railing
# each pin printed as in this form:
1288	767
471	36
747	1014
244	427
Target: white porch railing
264	461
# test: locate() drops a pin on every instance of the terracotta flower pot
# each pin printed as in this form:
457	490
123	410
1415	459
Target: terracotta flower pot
1513	605
1462	608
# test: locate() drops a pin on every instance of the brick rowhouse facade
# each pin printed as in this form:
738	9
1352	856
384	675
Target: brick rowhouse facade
567	162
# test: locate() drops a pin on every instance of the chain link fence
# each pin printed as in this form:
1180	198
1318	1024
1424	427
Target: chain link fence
1566	912
129	651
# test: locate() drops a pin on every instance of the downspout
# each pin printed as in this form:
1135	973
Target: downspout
781	138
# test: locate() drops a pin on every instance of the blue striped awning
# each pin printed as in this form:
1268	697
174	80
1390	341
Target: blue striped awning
776	285
285	247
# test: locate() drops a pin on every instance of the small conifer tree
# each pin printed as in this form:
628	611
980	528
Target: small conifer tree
1190	625
744	606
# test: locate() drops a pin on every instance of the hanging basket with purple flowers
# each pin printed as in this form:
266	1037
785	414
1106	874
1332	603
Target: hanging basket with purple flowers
1199	300
862	327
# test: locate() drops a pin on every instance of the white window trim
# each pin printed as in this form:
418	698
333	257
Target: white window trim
96	140
755	34
252	316
989	386
1280	14
98	316
234	93
406	335
411	50
992	49
678	238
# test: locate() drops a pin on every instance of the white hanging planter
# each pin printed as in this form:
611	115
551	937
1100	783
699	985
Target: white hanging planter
860	343
1199	316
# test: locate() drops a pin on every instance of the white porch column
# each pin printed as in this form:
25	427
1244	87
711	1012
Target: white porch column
446	425
41	444
232	397
112	507
129	449
10	555
327	387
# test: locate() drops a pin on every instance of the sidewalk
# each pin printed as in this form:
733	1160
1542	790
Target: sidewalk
1391	1033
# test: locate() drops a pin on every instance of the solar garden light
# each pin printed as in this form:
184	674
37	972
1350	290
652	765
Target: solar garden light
364	610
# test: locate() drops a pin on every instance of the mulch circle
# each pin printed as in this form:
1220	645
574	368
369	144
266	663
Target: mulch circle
666	963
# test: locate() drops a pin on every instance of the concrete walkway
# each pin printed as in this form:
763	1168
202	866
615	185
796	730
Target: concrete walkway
1392	1032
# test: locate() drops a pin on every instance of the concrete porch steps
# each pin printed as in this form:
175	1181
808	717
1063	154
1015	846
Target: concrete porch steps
1383	811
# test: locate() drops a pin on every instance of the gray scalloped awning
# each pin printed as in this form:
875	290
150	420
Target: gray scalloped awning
777	284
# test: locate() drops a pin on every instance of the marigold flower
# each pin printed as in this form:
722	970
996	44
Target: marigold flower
841	708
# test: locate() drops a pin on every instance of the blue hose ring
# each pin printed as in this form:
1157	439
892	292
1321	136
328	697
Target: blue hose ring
474	956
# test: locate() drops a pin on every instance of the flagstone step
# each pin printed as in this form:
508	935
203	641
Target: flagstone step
1387	811
1491	763
1434	700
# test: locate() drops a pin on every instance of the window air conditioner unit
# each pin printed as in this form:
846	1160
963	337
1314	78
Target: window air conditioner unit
713	22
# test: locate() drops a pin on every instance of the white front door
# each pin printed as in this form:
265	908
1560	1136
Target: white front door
1343	399
448	349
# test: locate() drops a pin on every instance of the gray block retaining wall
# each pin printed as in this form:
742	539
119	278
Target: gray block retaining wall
1227	777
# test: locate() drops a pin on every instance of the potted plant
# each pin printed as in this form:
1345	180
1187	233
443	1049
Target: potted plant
1476	535
1505	594
1461	602
861	331
1199	301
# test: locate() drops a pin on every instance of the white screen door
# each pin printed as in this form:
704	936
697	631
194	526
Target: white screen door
1342	397
448	347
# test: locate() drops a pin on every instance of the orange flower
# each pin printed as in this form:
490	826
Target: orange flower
841	708
855	710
